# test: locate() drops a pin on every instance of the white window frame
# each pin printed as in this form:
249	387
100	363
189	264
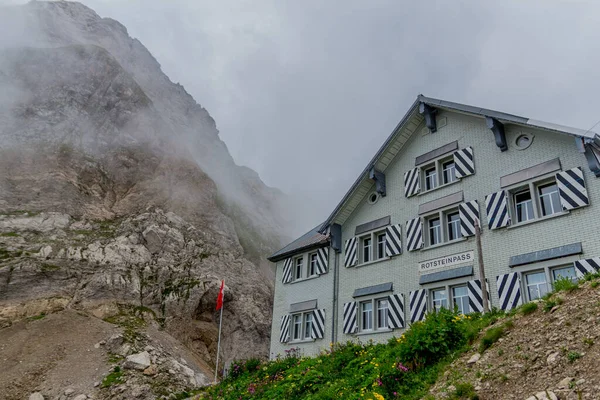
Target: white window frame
443	170
309	270
452	298
304	334
438	165
374	323
298	268
374	255
568	266
533	187
538	285
433	301
434	177
442	215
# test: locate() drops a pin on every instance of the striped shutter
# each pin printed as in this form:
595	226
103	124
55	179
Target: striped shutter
287	270
469	214
411	182
496	207
476	296
351	252
418	305
284	333
509	290
463	162
414	234
396	311
322	260
318	324
587	266
350	321
571	188
393	243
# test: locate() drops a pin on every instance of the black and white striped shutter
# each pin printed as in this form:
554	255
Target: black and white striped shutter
287	270
509	290
322	260
571	188
414	234
587	266
476	296
418	305
411	182
350	321
393	242
318	324
284	329
396	311
496	207
463	162
351	252
469	215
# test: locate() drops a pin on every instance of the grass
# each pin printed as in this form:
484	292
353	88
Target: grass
565	284
491	336
573	355
115	358
36	317
49	267
114	378
464	391
9	234
529	308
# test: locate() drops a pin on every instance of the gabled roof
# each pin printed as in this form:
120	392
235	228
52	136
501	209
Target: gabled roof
406	128
311	239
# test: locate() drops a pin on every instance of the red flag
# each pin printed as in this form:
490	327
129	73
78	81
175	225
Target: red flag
220	297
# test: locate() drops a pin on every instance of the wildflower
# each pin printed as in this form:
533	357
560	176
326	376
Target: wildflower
378	396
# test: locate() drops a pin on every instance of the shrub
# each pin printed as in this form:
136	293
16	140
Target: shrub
491	336
573	355
564	284
465	391
529	308
594	284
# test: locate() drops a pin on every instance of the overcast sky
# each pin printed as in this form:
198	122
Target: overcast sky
304	92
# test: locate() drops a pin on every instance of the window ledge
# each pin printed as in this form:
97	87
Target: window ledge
373	262
424	192
373	332
300	341
305	279
462	239
532	221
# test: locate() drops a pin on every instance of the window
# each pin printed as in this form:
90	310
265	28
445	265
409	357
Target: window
382	313
430	178
435	232
536	285
312	264
453	221
367	249
366	315
524	206
302	324
549	199
460	298
297	327
380	245
308	321
564	272
298	268
448	172
439	298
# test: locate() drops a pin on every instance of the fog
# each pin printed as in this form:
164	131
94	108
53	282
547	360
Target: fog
305	92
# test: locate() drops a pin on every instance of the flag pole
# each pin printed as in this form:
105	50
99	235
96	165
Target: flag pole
218	344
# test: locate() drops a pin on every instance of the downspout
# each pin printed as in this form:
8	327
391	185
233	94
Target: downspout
335	298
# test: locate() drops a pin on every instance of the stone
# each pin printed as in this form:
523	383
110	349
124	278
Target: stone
451	389
139	361
545	395
69	392
580	382
114	342
151	370
124	350
474	358
563	384
36	396
80	397
552	358
554	309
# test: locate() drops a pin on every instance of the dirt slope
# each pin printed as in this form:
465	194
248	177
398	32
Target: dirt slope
554	352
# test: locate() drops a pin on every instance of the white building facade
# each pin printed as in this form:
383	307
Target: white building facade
401	243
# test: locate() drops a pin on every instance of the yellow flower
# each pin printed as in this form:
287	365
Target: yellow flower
378	396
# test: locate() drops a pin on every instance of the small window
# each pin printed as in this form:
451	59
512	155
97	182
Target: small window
439	298
373	197
523	141
430	178
366	249
453	221
549	199
448	172
460	298
381	245
312	264
297	327
366	315
308	322
523	206
536	285
564	272
298	269
382	314
435	231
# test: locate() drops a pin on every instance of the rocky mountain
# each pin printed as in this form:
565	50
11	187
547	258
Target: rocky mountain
117	196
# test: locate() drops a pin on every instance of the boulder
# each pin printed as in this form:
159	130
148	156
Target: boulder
36	396
139	361
474	358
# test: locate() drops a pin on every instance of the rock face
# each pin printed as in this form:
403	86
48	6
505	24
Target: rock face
116	191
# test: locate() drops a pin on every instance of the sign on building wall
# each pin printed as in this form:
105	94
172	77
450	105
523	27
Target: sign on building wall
447	261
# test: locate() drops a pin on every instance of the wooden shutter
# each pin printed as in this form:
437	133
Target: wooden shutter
351	252
463	162
476	295
411	182
287	270
414	234
496	207
396	311
284	329
587	266
350	320
572	190
469	216
418	305
509	290
393	241
318	324
322	260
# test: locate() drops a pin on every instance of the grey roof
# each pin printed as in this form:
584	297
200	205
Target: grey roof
310	239
502	117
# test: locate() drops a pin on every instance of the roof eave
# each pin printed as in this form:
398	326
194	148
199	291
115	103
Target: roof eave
282	256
